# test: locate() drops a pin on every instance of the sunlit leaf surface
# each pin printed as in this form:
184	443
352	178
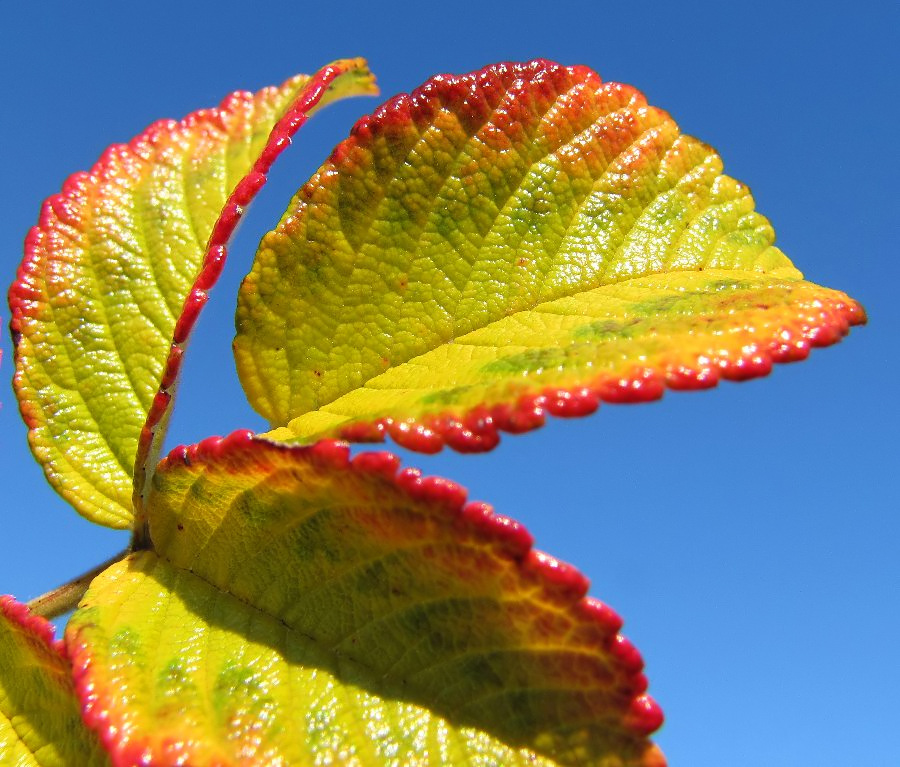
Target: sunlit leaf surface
318	610
104	279
520	240
40	720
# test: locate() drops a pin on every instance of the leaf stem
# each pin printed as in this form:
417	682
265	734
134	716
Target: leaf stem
63	598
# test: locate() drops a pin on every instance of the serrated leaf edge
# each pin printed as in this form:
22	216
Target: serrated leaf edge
18	613
215	256
63	209
564	582
478	429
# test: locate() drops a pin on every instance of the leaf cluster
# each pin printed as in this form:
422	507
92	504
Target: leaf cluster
489	249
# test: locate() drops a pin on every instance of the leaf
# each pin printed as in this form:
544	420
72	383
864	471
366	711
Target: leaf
346	76
105	276
518	240
40	721
318	610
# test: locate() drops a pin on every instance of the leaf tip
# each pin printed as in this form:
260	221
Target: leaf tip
601	614
433	490
334	453
511	534
414	435
644	716
378	462
627	654
20	614
561	577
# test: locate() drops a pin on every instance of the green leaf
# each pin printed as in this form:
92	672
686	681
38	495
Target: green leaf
514	241
40	720
105	277
317	609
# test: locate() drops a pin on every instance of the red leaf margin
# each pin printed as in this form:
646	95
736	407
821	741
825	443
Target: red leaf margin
63	210
35	625
216	254
58	731
479	429
565	584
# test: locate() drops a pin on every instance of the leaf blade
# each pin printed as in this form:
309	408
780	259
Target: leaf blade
40	721
428	601
475	198
345	77
626	342
102	285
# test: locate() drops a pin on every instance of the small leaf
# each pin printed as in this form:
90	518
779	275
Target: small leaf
343	77
520	240
40	720
105	276
321	609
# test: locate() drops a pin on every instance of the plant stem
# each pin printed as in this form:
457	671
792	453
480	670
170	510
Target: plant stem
66	597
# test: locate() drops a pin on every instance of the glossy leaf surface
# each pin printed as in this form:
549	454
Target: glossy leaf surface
105	276
323	609
40	719
521	239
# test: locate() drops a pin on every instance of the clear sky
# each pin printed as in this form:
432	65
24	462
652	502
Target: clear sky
748	535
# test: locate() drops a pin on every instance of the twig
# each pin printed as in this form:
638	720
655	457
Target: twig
64	598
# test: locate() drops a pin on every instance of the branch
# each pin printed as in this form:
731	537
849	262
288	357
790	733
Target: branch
66	597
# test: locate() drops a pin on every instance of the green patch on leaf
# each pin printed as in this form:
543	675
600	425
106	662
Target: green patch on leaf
532	361
445	396
607	330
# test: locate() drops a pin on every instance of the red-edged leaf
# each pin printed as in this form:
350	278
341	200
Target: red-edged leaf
342	78
106	274
498	245
318	608
40	720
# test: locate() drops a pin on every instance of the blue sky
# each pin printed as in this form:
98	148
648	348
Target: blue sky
748	535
